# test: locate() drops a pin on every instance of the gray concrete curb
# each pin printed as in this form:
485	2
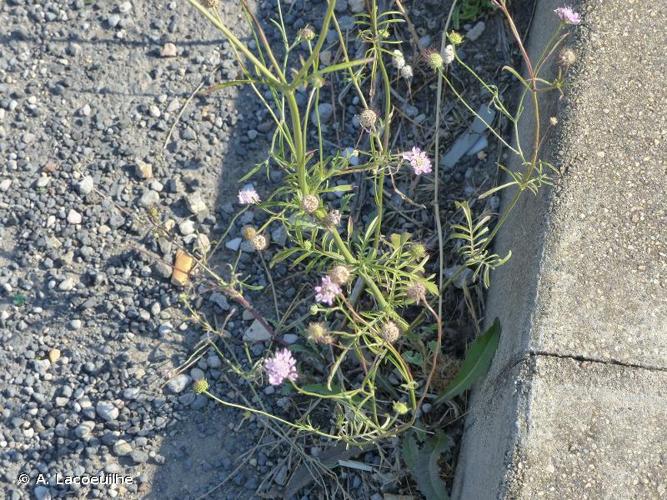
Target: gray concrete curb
575	402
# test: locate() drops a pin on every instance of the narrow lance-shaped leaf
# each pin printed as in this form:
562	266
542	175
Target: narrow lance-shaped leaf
477	362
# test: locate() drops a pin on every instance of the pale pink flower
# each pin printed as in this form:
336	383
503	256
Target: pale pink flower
248	195
327	291
568	15
280	367
419	161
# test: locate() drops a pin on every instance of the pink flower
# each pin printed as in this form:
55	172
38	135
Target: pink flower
327	291
419	161
281	367
568	15
248	195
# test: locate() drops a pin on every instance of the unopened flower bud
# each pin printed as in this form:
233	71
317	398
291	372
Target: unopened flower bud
567	57
368	118
340	275
209	4
390	332
260	242
248	233
310	203
200	386
400	407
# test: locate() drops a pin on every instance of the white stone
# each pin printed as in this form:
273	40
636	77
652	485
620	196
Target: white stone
256	332
74	217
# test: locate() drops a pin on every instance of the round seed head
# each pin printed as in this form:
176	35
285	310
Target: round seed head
260	242
310	203
390	332
417	292
200	386
434	61
418	251
249	233
400	407
318	333
332	219
307	33
567	57
455	37
368	118
340	275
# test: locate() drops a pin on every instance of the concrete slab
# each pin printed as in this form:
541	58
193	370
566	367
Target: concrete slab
591	431
586	283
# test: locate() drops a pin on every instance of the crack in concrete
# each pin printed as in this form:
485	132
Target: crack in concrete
610	361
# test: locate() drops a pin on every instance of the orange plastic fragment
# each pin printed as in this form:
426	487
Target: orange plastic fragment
182	268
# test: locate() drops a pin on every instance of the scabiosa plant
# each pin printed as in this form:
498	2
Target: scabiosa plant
281	367
248	195
419	161
568	15
327	291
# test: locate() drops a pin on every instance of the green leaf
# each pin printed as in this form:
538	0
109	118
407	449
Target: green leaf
423	464
477	362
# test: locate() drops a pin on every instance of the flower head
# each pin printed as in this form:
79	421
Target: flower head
568	15
416	292
310	203
367	118
306	33
567	57
318	333
455	37
419	161
406	72
449	54
332	219
200	386
339	275
397	59
400	407
260	242
248	195
390	332
280	367
248	232
434	60
327	291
